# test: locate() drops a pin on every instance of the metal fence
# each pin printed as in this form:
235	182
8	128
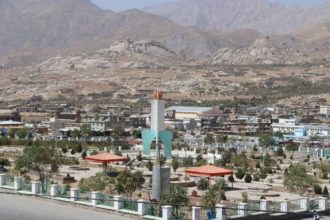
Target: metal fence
106	200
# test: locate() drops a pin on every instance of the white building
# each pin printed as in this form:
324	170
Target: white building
187	112
325	109
292	126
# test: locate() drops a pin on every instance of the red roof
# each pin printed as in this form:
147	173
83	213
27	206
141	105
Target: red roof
106	158
208	170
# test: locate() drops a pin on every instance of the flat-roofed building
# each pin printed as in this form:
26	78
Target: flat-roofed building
187	112
325	109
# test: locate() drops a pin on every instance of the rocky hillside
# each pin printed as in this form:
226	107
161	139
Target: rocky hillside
126	54
266	16
264	50
78	25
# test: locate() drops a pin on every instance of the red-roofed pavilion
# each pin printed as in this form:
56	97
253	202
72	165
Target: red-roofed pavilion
209	171
105	158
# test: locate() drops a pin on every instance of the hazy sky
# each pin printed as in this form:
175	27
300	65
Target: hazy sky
120	5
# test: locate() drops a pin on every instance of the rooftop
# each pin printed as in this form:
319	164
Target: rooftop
190	109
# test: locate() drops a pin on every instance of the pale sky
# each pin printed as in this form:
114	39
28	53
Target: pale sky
120	5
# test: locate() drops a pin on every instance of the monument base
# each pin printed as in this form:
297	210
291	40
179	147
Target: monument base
160	181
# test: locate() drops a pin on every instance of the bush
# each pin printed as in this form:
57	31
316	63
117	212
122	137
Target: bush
64	150
73	151
239	174
84	155
317	189
231	178
325	192
248	178
256	177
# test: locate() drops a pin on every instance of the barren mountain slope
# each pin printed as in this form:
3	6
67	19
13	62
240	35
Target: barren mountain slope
125	54
78	25
263	51
265	16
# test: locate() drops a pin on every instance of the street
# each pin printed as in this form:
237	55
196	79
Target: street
13	207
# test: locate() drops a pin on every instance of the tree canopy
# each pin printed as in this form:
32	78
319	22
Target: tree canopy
44	160
297	179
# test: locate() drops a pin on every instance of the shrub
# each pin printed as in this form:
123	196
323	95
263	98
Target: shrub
325	192
317	189
64	150
73	151
256	177
248	178
239	174
231	178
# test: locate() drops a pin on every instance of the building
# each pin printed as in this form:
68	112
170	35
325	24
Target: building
325	109
186	112
105	122
293	126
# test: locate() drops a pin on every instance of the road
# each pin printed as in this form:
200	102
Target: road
13	207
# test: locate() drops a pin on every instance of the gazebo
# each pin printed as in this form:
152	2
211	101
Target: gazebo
105	158
209	171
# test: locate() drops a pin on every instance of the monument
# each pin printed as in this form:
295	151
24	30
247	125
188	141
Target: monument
157	142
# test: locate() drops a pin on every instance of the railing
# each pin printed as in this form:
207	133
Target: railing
153	209
64	192
231	211
106	200
9	181
253	206
274	207
295	205
26	185
208	213
144	208
314	204
130	205
84	197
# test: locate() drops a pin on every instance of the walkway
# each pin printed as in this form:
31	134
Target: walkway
14	207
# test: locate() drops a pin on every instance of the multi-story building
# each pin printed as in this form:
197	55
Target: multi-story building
325	110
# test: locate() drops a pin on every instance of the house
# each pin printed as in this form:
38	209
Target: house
186	112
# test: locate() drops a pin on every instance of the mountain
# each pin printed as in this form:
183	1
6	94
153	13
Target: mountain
267	17
61	27
125	54
264	50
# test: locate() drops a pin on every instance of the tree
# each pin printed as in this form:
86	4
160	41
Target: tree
139	156
149	165
162	160
75	134
175	164
208	138
232	180
317	189
200	161
265	140
188	161
221	138
325	192
248	178
137	134
245	197
297	180
215	194
324	169
202	184
176	196
4	161
128	183
94	183
43	160
291	146
239	174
